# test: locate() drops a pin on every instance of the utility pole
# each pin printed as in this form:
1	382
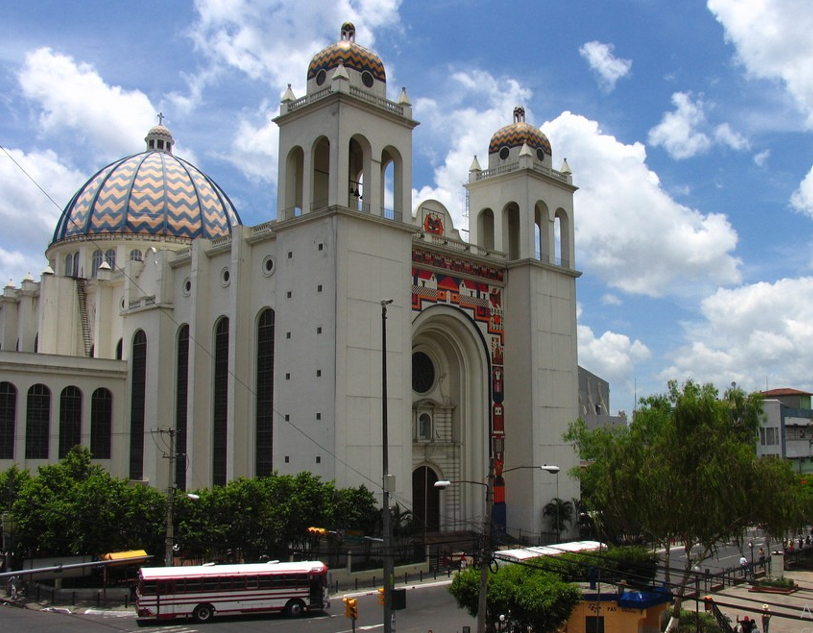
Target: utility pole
389	564
169	554
486	552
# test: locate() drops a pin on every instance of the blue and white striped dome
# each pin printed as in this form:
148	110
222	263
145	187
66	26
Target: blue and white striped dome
149	194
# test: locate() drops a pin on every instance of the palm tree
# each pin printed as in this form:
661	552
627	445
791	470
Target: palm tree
560	513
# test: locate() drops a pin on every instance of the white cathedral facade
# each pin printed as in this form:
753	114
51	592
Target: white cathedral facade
161	320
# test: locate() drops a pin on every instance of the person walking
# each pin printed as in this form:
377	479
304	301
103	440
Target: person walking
766	618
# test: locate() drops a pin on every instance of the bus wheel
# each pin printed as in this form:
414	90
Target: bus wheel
295	608
203	613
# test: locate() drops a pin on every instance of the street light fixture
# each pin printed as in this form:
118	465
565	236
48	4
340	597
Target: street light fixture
554	470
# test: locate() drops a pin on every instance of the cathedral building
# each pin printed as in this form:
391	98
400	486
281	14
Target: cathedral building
163	324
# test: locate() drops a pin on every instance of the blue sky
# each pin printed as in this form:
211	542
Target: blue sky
688	128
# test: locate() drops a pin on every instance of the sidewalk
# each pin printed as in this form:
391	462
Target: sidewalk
792	613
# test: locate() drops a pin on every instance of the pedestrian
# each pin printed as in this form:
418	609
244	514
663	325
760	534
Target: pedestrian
744	565
766	618
746	624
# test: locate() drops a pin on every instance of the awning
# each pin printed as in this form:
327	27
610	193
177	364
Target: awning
128	557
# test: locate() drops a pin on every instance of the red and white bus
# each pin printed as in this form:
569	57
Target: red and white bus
202	591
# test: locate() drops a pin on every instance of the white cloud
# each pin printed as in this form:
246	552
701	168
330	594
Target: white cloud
255	146
253	36
629	231
762	158
610	299
26	213
607	66
724	135
763	325
72	95
773	41
612	356
681	132
677	132
802	198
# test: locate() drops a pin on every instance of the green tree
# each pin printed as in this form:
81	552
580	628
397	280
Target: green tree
684	469
535	598
77	507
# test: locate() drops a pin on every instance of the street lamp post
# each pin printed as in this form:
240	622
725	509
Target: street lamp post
555	470
486	552
389	564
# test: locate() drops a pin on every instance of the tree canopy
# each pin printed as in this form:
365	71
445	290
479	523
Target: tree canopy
533	597
77	507
685	469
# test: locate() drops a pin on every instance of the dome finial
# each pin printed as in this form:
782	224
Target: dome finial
159	137
349	32
519	114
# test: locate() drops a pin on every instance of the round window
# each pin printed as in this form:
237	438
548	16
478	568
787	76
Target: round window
540	155
504	152
225	277
320	77
187	286
268	266
367	78
423	372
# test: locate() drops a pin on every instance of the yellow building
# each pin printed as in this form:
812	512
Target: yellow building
627	612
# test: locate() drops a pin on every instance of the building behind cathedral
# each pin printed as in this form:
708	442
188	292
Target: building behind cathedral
163	319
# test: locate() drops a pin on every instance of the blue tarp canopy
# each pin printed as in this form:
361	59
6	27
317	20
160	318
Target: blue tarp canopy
644	599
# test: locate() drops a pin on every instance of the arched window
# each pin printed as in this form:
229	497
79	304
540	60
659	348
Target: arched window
138	390
70	419
424	430
98	257
265	393
119	350
37	422
68	264
8	419
110	258
101	423
181	400
136	255
220	404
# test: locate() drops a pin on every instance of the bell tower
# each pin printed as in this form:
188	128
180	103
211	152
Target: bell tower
344	144
521	210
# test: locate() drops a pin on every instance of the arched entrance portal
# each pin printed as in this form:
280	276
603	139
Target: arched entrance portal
425	499
451	416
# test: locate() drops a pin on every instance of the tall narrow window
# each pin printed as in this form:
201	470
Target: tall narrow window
265	393
37	422
138	390
220	404
8	419
181	399
70	419
101	423
98	257
110	258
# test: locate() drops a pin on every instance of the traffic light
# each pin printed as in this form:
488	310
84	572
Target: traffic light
381	595
317	531
351	608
